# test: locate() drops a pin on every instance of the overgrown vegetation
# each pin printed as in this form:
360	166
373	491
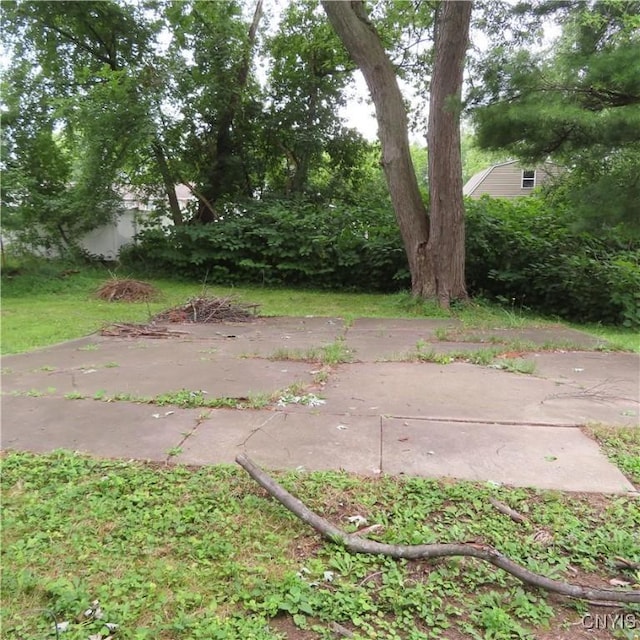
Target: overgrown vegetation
622	446
523	253
283	243
283	191
527	253
48	301
203	553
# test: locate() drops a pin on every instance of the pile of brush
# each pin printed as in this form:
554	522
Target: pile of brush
127	290
210	310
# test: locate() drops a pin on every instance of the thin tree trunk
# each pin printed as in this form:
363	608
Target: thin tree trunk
169	184
225	147
359	37
446	248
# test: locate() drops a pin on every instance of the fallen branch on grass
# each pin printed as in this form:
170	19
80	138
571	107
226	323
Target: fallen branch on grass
412	552
508	511
132	330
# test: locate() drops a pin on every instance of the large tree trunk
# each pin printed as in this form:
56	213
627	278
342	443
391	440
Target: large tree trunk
446	248
359	37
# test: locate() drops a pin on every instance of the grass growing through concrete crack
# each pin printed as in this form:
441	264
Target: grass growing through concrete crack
330	354
488	357
176	552
194	399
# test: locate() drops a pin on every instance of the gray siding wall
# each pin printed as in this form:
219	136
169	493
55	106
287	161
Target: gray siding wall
505	181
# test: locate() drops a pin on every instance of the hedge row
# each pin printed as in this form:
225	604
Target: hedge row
517	251
521	252
292	243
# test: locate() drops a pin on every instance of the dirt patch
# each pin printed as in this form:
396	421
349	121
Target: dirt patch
206	310
127	290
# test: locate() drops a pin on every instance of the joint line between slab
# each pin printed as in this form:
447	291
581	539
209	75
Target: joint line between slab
380	449
508	423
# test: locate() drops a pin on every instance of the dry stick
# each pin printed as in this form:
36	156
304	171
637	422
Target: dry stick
412	552
508	511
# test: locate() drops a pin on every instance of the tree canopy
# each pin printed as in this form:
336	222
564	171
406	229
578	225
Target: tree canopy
577	103
241	103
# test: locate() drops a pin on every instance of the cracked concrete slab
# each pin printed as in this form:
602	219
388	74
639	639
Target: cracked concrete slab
142	377
280	440
605	374
528	456
568	388
220	435
314	443
112	430
464	391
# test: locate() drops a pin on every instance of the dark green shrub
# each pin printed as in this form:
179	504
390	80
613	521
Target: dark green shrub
522	252
518	251
295	243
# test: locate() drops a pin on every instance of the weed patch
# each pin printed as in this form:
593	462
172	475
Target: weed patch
170	551
622	447
331	354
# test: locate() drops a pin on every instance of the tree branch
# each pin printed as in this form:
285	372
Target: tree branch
81	45
412	552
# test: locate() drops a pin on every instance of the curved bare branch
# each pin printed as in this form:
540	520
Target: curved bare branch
484	552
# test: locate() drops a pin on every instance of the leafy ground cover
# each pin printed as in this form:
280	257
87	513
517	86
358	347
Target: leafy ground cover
48	302
177	552
622	446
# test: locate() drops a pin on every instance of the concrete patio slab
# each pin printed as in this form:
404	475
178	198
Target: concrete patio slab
533	416
315	443
305	324
221	377
556	335
426	327
112	430
464	391
221	434
401	346
544	457
280	440
605	374
294	344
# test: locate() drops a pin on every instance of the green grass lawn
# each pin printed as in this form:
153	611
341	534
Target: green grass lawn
173	552
46	303
169	552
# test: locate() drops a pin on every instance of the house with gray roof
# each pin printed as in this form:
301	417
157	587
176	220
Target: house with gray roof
510	179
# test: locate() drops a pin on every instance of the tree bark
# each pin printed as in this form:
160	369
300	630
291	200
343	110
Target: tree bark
446	247
361	40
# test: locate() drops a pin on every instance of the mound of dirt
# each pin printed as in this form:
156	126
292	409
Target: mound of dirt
127	290
210	310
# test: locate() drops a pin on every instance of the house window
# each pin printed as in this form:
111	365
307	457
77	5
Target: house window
528	179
